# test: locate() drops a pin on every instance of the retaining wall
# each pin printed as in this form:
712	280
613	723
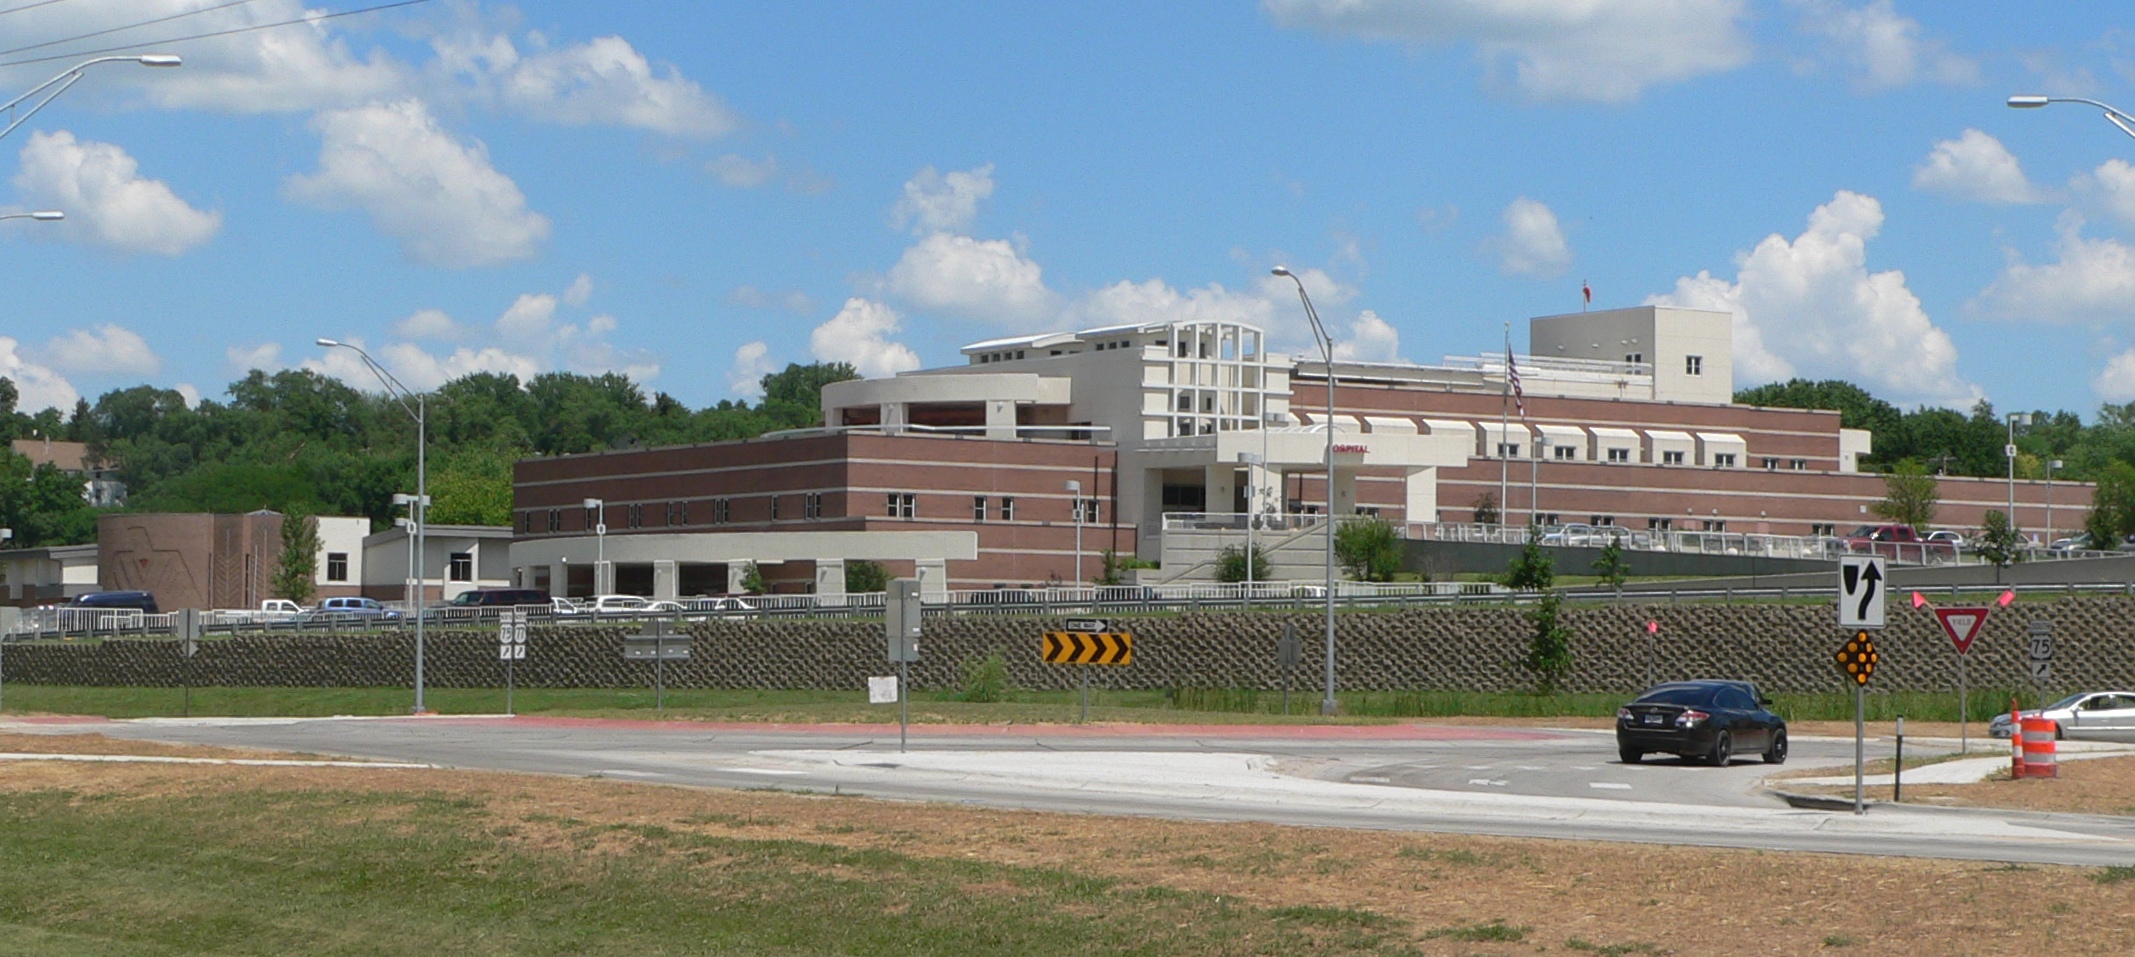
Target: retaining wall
1784	648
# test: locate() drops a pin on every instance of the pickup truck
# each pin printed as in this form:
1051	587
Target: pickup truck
1900	543
273	609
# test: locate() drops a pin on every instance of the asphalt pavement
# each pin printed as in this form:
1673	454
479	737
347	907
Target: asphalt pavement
1520	782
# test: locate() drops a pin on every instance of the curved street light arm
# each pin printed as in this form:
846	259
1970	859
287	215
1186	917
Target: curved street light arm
2113	114
65	79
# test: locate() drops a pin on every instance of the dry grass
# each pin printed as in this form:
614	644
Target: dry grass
1553	896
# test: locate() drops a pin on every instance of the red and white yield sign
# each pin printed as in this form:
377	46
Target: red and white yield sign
1962	625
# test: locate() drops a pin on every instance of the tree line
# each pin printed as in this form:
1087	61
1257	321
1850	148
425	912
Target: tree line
301	443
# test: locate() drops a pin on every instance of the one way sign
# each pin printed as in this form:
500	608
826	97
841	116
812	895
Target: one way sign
1860	591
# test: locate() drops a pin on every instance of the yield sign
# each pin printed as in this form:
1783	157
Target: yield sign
1962	625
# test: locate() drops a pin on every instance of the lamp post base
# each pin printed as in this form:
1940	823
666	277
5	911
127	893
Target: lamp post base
1328	706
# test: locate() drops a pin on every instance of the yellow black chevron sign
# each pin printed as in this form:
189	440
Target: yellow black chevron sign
1089	648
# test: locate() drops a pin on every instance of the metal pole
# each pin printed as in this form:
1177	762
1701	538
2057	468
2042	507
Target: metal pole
422	521
1860	737
1085	694
1964	712
1897	766
904	708
1326	344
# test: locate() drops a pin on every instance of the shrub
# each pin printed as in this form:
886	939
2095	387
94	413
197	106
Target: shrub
1231	565
1534	570
1611	565
1549	650
864	577
985	680
1368	548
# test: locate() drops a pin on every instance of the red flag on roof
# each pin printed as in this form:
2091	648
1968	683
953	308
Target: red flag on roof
1587	291
1512	378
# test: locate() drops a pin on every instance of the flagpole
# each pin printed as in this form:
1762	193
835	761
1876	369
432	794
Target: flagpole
1504	462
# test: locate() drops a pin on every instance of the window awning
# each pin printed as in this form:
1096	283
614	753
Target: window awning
1669	435
1389	425
1610	437
1509	432
1450	427
1564	434
1723	441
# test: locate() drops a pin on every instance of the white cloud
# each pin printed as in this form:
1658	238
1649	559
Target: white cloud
751	363
1881	47
2111	188
1270	302
1585	50
1533	244
528	321
604	81
580	291
1977	167
2116	382
106	200
1371	339
105	350
792	300
189	393
36	387
859	334
1810	307
984	279
431	324
935	203
742	172
266	356
423	371
443	200
2092	281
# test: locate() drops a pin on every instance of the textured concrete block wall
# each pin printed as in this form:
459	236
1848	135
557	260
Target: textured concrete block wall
1783	648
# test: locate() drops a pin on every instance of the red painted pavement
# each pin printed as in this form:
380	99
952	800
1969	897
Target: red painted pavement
1311	732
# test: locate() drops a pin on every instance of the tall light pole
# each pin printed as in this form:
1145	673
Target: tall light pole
2009	451
2125	122
1326	344
417	509
70	76
2051	464
599	508
1252	513
42	215
1534	472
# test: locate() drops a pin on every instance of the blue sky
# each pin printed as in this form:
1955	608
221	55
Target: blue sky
696	193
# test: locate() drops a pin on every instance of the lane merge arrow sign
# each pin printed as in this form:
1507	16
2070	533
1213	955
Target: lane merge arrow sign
1860	591
1962	625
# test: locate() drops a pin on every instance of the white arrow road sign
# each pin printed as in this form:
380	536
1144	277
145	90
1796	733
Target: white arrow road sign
1860	591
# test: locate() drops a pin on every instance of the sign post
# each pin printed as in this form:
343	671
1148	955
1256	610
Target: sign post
1858	660
658	644
2041	656
186	622
901	613
1963	625
1287	653
10	619
511	646
1088	648
1653	648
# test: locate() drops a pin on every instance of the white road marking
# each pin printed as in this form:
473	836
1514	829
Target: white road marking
623	773
165	759
1487	783
757	771
1530	767
1584	767
1609	785
1362	779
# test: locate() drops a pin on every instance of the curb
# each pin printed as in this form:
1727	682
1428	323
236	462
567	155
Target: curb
1816	802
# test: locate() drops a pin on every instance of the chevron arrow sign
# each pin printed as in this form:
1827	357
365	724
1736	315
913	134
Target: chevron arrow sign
1089	648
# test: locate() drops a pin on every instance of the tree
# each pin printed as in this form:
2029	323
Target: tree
296	572
1114	567
1231	568
1999	541
1909	496
863	577
1857	409
752	579
1486	509
794	395
1368	548
473	488
1611	565
1549	646
1533	570
2112	514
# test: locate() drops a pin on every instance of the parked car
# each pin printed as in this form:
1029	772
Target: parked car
1706	720
498	597
140	601
1956	540
348	609
619	604
1900	542
723	607
2097	715
559	605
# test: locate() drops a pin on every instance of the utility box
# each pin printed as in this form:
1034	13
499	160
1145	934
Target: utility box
900	618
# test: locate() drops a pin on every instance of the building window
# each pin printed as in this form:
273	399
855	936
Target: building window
978	508
1566	453
1716	525
1823	529
1508	450
1008	508
812	505
1798	465
896	501
637	516
722	511
903	504
1671	458
1634	358
555	520
1602	520
1084	510
460	567
594	519
1771	464
1693	365
1619	455
774	508
1723	460
337	566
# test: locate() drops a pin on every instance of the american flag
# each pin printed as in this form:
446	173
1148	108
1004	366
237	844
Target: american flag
1512	378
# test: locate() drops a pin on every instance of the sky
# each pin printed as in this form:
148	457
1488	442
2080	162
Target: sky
697	193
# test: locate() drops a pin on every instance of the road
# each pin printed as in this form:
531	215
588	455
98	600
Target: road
1513	782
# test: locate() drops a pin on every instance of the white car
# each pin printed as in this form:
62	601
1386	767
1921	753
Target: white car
2094	715
616	604
727	607
565	606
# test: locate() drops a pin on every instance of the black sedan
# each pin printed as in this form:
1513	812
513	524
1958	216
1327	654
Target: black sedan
1709	720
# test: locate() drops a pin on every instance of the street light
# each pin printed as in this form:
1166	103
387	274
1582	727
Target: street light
421	503
2009	452
73	75
1534	469
1326	344
42	215
599	508
2051	464
1252	511
2112	115
1074	488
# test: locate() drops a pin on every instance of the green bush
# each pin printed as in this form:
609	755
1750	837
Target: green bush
985	680
1368	548
1534	570
865	577
1231	567
1549	650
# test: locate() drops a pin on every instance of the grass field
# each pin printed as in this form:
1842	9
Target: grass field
116	859
1185	705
